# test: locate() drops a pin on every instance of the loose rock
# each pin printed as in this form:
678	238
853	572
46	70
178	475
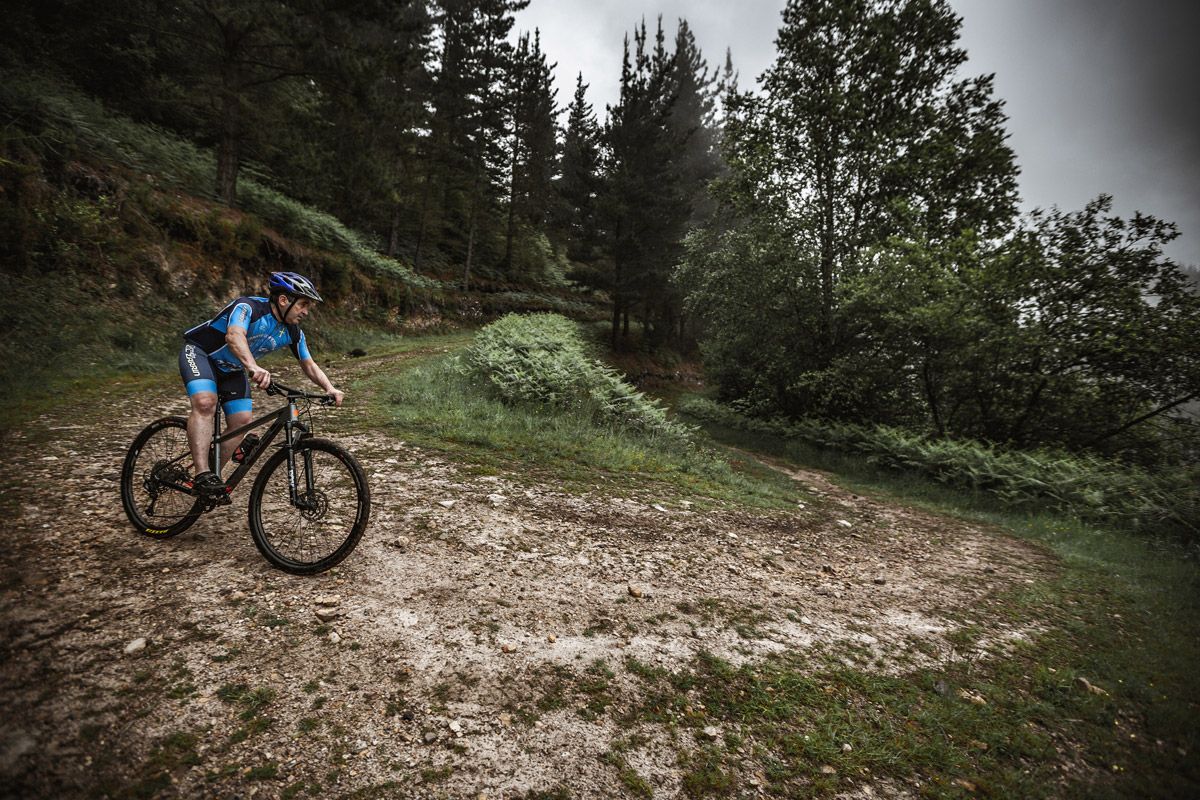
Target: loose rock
1081	682
328	614
135	646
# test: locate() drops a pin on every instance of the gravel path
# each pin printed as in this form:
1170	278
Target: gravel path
465	599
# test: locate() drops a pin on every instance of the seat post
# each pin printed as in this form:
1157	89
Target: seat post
216	467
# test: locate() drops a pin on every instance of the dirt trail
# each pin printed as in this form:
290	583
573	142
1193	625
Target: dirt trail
429	682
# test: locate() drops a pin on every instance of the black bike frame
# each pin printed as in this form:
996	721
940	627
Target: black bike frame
283	419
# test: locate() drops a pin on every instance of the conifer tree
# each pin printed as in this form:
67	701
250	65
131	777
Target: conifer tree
578	188
533	142
466	150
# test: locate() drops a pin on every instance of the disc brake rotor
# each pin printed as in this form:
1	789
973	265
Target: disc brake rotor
313	505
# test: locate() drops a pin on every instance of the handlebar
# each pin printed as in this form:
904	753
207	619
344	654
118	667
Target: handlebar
277	388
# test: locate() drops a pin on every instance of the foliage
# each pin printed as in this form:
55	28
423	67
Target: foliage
437	405
659	157
865	262
542	360
61	122
1087	487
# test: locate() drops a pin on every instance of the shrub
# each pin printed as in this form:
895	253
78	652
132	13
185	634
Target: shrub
1084	486
542	360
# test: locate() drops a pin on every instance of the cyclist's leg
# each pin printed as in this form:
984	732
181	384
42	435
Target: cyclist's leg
201	385
235	400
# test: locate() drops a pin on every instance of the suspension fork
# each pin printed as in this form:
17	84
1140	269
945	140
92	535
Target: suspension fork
290	436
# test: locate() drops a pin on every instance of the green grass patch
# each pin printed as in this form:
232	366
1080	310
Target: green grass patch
1121	612
437	405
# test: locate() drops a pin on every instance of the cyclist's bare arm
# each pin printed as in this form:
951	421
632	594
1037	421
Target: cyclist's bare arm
235	337
318	376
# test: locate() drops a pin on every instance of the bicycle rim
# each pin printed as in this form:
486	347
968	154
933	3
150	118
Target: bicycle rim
324	526
157	457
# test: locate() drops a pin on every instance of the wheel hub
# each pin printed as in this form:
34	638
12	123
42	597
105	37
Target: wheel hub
313	505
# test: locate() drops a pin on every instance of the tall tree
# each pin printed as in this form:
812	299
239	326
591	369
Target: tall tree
578	186
533	142
660	158
863	133
467	139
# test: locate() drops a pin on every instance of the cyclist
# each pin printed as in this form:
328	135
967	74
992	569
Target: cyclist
219	360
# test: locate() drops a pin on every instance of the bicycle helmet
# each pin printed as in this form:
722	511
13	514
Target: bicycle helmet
294	285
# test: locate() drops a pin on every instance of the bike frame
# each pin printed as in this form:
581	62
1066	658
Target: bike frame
284	419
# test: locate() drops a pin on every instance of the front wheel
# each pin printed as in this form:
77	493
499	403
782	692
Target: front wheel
153	478
323	524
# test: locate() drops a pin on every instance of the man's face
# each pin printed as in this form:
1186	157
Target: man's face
298	310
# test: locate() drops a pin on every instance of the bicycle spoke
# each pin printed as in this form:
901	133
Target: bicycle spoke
320	522
151	478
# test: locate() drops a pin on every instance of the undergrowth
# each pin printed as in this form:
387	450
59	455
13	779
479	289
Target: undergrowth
437	405
57	120
1088	487
542	360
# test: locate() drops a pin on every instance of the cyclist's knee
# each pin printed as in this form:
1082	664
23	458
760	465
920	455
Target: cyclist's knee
204	403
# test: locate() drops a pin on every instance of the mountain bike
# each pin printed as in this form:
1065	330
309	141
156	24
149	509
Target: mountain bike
309	504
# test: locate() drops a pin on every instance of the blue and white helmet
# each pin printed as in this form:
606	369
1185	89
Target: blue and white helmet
294	284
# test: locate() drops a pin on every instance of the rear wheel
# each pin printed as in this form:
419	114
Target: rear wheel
151	477
328	517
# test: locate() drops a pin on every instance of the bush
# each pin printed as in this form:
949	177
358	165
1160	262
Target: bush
542	360
1086	487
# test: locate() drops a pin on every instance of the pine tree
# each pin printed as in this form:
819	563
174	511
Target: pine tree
578	188
533	142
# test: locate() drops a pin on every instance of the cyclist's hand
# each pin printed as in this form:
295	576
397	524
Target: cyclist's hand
337	397
259	377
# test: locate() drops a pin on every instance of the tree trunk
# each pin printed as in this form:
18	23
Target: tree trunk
229	143
228	147
470	250
616	322
422	224
394	233
931	399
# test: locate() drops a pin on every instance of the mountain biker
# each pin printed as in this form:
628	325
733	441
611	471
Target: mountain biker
219	360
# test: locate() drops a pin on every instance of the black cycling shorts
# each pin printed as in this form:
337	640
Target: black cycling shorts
199	375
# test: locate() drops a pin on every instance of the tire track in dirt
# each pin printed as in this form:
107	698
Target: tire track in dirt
432	675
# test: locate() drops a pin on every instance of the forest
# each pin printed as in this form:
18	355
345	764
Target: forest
745	436
844	244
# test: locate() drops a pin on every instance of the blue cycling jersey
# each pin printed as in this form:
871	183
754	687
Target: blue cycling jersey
264	333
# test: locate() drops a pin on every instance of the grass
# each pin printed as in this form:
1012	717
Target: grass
434	405
1121	613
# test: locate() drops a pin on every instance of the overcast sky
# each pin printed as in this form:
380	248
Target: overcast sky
1102	95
